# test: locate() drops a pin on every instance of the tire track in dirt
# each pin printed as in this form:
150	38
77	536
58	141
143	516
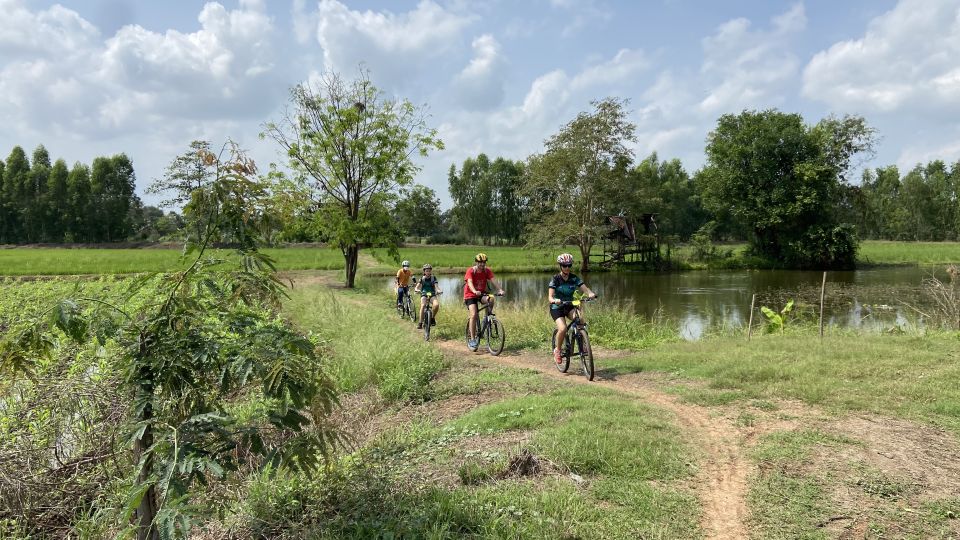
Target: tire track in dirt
722	477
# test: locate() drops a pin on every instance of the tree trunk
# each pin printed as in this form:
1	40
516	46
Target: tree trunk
147	511
585	258
351	254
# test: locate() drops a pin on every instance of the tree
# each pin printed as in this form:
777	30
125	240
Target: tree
78	204
663	188
353	148
207	333
34	197
57	203
569	186
782	179
16	177
187	172
418	212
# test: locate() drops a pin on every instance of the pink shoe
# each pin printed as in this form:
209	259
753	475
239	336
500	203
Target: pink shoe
556	356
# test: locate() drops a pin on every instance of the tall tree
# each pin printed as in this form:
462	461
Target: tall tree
15	180
57	202
354	149
78	227
418	211
509	204
34	194
783	179
569	185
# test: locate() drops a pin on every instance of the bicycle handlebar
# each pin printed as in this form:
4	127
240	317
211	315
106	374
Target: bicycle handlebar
575	302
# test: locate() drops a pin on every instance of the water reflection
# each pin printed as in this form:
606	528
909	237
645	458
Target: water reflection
864	299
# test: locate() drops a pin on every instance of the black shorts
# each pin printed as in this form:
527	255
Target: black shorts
561	311
470	301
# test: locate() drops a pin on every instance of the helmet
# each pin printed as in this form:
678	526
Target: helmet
565	258
427	267
404	263
481	257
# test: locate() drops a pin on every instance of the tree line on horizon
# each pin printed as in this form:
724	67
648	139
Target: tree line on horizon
44	202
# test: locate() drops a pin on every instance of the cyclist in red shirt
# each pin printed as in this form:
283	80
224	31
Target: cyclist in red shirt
475	291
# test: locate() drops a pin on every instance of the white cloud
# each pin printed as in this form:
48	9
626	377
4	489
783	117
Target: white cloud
748	68
908	59
624	66
581	13
395	47
66	75
480	84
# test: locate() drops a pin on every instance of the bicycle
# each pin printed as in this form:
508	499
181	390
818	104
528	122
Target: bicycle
428	315
489	328
405	307
577	338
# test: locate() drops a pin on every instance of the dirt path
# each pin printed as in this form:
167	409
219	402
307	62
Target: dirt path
723	475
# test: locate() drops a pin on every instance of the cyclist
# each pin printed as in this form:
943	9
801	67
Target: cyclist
475	291
561	289
428	284
403	280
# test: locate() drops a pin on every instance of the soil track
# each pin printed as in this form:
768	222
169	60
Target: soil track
722	477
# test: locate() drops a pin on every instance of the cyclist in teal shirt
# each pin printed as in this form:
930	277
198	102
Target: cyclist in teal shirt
561	289
428	284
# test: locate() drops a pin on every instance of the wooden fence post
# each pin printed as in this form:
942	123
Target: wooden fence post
823	288
750	324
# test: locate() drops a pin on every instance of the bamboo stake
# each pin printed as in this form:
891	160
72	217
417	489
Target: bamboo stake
750	324
823	288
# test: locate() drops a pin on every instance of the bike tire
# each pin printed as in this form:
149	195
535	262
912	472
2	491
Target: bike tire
564	364
427	319
586	354
466	336
496	337
412	313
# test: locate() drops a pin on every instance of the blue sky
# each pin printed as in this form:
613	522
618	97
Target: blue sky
96	77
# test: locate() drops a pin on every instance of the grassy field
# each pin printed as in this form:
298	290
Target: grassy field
445	259
884	252
443	445
503	467
62	261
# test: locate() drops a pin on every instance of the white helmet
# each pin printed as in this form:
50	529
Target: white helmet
565	258
404	263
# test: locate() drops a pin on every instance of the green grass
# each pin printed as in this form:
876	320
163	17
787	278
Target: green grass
904	375
63	261
445	259
393	487
364	345
888	252
615	468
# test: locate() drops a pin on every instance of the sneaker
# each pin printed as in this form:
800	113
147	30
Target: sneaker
473	343
420	326
556	356
433	322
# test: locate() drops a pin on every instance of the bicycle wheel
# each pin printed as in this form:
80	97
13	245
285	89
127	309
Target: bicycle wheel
466	336
412	313
564	364
586	354
427	319
495	336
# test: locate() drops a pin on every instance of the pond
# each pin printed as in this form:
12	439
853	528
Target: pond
872	299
